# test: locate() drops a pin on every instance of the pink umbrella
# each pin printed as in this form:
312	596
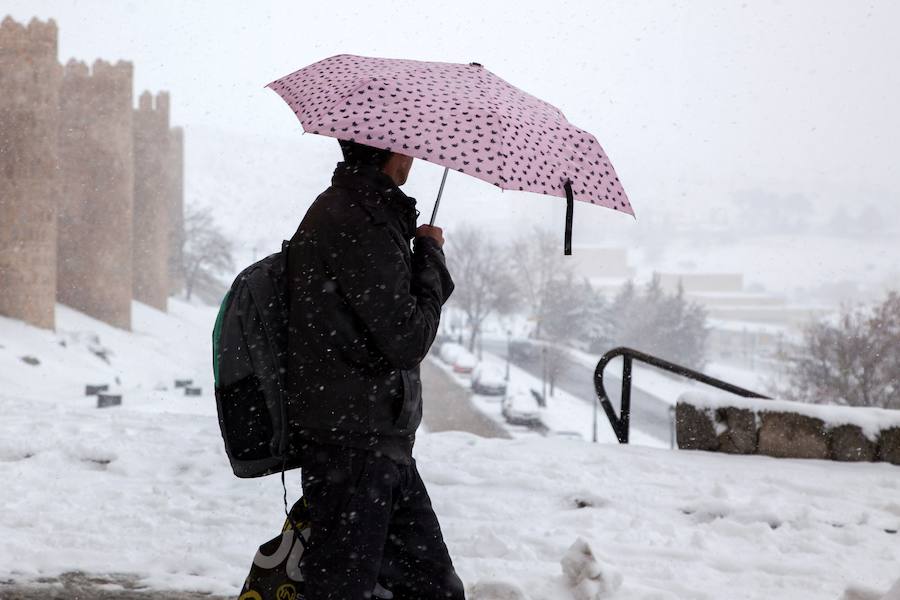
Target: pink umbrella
462	117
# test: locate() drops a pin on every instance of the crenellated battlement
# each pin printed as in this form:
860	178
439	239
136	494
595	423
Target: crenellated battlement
147	103
103	77
37	39
162	104
122	70
152	109
76	68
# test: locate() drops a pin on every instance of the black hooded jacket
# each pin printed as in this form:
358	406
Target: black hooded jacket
364	310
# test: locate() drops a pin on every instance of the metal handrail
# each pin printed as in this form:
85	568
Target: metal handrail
621	423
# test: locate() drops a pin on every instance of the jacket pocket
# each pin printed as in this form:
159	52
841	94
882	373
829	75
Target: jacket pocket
410	394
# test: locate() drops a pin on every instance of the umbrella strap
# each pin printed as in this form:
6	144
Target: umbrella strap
570	208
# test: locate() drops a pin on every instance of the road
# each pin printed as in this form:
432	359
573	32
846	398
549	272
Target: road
649	414
448	407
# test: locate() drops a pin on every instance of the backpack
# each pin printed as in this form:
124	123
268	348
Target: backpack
249	360
275	571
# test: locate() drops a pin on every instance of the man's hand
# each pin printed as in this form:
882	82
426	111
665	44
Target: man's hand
430	231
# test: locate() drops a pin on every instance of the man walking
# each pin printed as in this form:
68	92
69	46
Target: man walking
364	310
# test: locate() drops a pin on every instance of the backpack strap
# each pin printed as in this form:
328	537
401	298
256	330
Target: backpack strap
282	450
273	310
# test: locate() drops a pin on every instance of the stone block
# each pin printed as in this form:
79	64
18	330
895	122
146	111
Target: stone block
849	443
694	427
889	445
789	435
740	436
107	400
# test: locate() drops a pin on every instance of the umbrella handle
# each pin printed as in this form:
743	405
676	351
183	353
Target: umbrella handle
438	201
570	206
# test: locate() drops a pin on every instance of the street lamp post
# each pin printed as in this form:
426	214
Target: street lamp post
508	338
544	372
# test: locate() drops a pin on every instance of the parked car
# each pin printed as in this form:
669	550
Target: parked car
465	362
526	349
520	407
449	352
488	380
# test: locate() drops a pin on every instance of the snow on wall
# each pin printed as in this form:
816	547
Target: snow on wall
871	420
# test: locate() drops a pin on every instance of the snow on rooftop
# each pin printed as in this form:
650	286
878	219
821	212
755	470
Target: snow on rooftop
741	326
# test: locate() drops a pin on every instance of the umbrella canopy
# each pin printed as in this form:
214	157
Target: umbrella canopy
460	116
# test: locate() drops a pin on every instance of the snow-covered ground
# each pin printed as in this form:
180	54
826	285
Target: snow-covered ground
142	364
145	488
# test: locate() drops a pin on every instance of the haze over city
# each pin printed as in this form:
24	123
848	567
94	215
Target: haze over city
202	397
786	105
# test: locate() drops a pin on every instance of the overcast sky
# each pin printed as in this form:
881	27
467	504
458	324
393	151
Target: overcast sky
693	99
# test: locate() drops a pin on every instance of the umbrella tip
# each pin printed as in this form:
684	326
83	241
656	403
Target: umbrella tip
475	64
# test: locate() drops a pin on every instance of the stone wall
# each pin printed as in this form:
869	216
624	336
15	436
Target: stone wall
152	200
787	429
91	189
30	78
176	214
97	185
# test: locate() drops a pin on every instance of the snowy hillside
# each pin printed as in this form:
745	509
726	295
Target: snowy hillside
145	488
142	364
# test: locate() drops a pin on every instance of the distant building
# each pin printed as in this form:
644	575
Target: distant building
746	327
724	297
606	268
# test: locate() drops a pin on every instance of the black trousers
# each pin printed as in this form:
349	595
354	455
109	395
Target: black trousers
371	522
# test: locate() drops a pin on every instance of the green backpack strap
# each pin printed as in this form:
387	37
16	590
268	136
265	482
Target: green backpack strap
217	336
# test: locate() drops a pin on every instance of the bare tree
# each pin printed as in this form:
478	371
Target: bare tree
483	276
664	324
207	252
540	269
569	311
557	360
853	360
